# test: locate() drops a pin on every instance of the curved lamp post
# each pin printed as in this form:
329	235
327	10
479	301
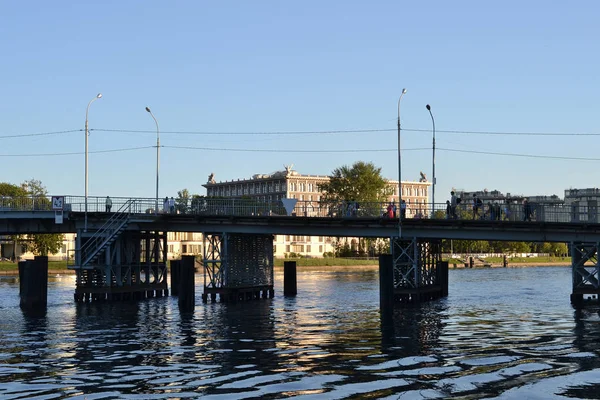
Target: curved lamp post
399	172
87	133
433	162
157	157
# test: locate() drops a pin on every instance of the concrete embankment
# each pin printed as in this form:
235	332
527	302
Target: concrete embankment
13	272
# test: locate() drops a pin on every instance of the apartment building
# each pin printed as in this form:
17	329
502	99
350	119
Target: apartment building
293	185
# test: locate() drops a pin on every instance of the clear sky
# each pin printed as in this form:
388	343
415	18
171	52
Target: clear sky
279	66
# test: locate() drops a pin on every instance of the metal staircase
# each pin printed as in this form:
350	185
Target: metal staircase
103	237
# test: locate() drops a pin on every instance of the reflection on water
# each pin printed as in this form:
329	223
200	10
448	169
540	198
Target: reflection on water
502	333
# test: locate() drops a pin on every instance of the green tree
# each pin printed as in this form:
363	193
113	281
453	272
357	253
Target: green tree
182	201
362	182
38	244
10	190
44	244
554	249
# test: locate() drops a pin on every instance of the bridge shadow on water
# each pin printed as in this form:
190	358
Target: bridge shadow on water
415	328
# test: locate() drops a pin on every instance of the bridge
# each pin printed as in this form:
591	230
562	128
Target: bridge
129	244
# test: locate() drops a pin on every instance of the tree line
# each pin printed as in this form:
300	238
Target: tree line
38	244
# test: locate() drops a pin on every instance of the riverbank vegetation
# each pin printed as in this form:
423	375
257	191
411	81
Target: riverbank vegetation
337	261
52	266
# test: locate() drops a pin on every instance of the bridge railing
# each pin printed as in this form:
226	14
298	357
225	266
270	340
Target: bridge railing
139	205
25	203
490	211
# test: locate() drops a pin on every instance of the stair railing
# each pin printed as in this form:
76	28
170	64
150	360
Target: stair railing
96	242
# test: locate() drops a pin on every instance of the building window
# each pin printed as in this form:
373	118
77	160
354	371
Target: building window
308	248
184	248
170	248
287	248
321	249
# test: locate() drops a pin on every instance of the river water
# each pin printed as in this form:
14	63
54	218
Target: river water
507	333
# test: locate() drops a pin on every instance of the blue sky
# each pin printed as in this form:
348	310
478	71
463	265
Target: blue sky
273	66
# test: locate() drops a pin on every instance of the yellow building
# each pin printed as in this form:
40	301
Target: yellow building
292	185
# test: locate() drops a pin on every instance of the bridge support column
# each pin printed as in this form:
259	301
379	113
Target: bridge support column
419	274
290	284
585	271
175	276
33	285
187	292
238	266
386	286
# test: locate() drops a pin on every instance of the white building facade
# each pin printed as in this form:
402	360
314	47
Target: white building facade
292	185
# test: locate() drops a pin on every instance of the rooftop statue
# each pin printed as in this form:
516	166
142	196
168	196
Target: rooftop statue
423	177
288	169
211	178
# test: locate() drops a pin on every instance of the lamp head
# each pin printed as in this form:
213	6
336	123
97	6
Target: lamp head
404	91
428	107
148	109
99	96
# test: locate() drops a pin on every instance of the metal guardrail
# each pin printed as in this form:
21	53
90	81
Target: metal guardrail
102	236
347	209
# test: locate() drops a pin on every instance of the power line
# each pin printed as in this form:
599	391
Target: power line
76	153
289	151
316	132
382	150
248	133
507	133
520	155
39	134
308	151
340	131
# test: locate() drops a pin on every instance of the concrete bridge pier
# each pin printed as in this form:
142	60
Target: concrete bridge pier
33	285
418	271
175	276
237	266
186	284
290	283
585	272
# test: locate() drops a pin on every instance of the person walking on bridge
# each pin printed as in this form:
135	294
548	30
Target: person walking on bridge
453	203
476	205
108	204
526	210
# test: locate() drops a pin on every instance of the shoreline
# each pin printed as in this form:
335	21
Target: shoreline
15	271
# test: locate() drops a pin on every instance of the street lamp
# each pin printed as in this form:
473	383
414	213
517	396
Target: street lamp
157	157
433	166
399	171
87	133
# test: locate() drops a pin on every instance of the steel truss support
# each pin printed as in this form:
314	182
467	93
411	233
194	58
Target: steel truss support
419	273
585	271
132	267
237	266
